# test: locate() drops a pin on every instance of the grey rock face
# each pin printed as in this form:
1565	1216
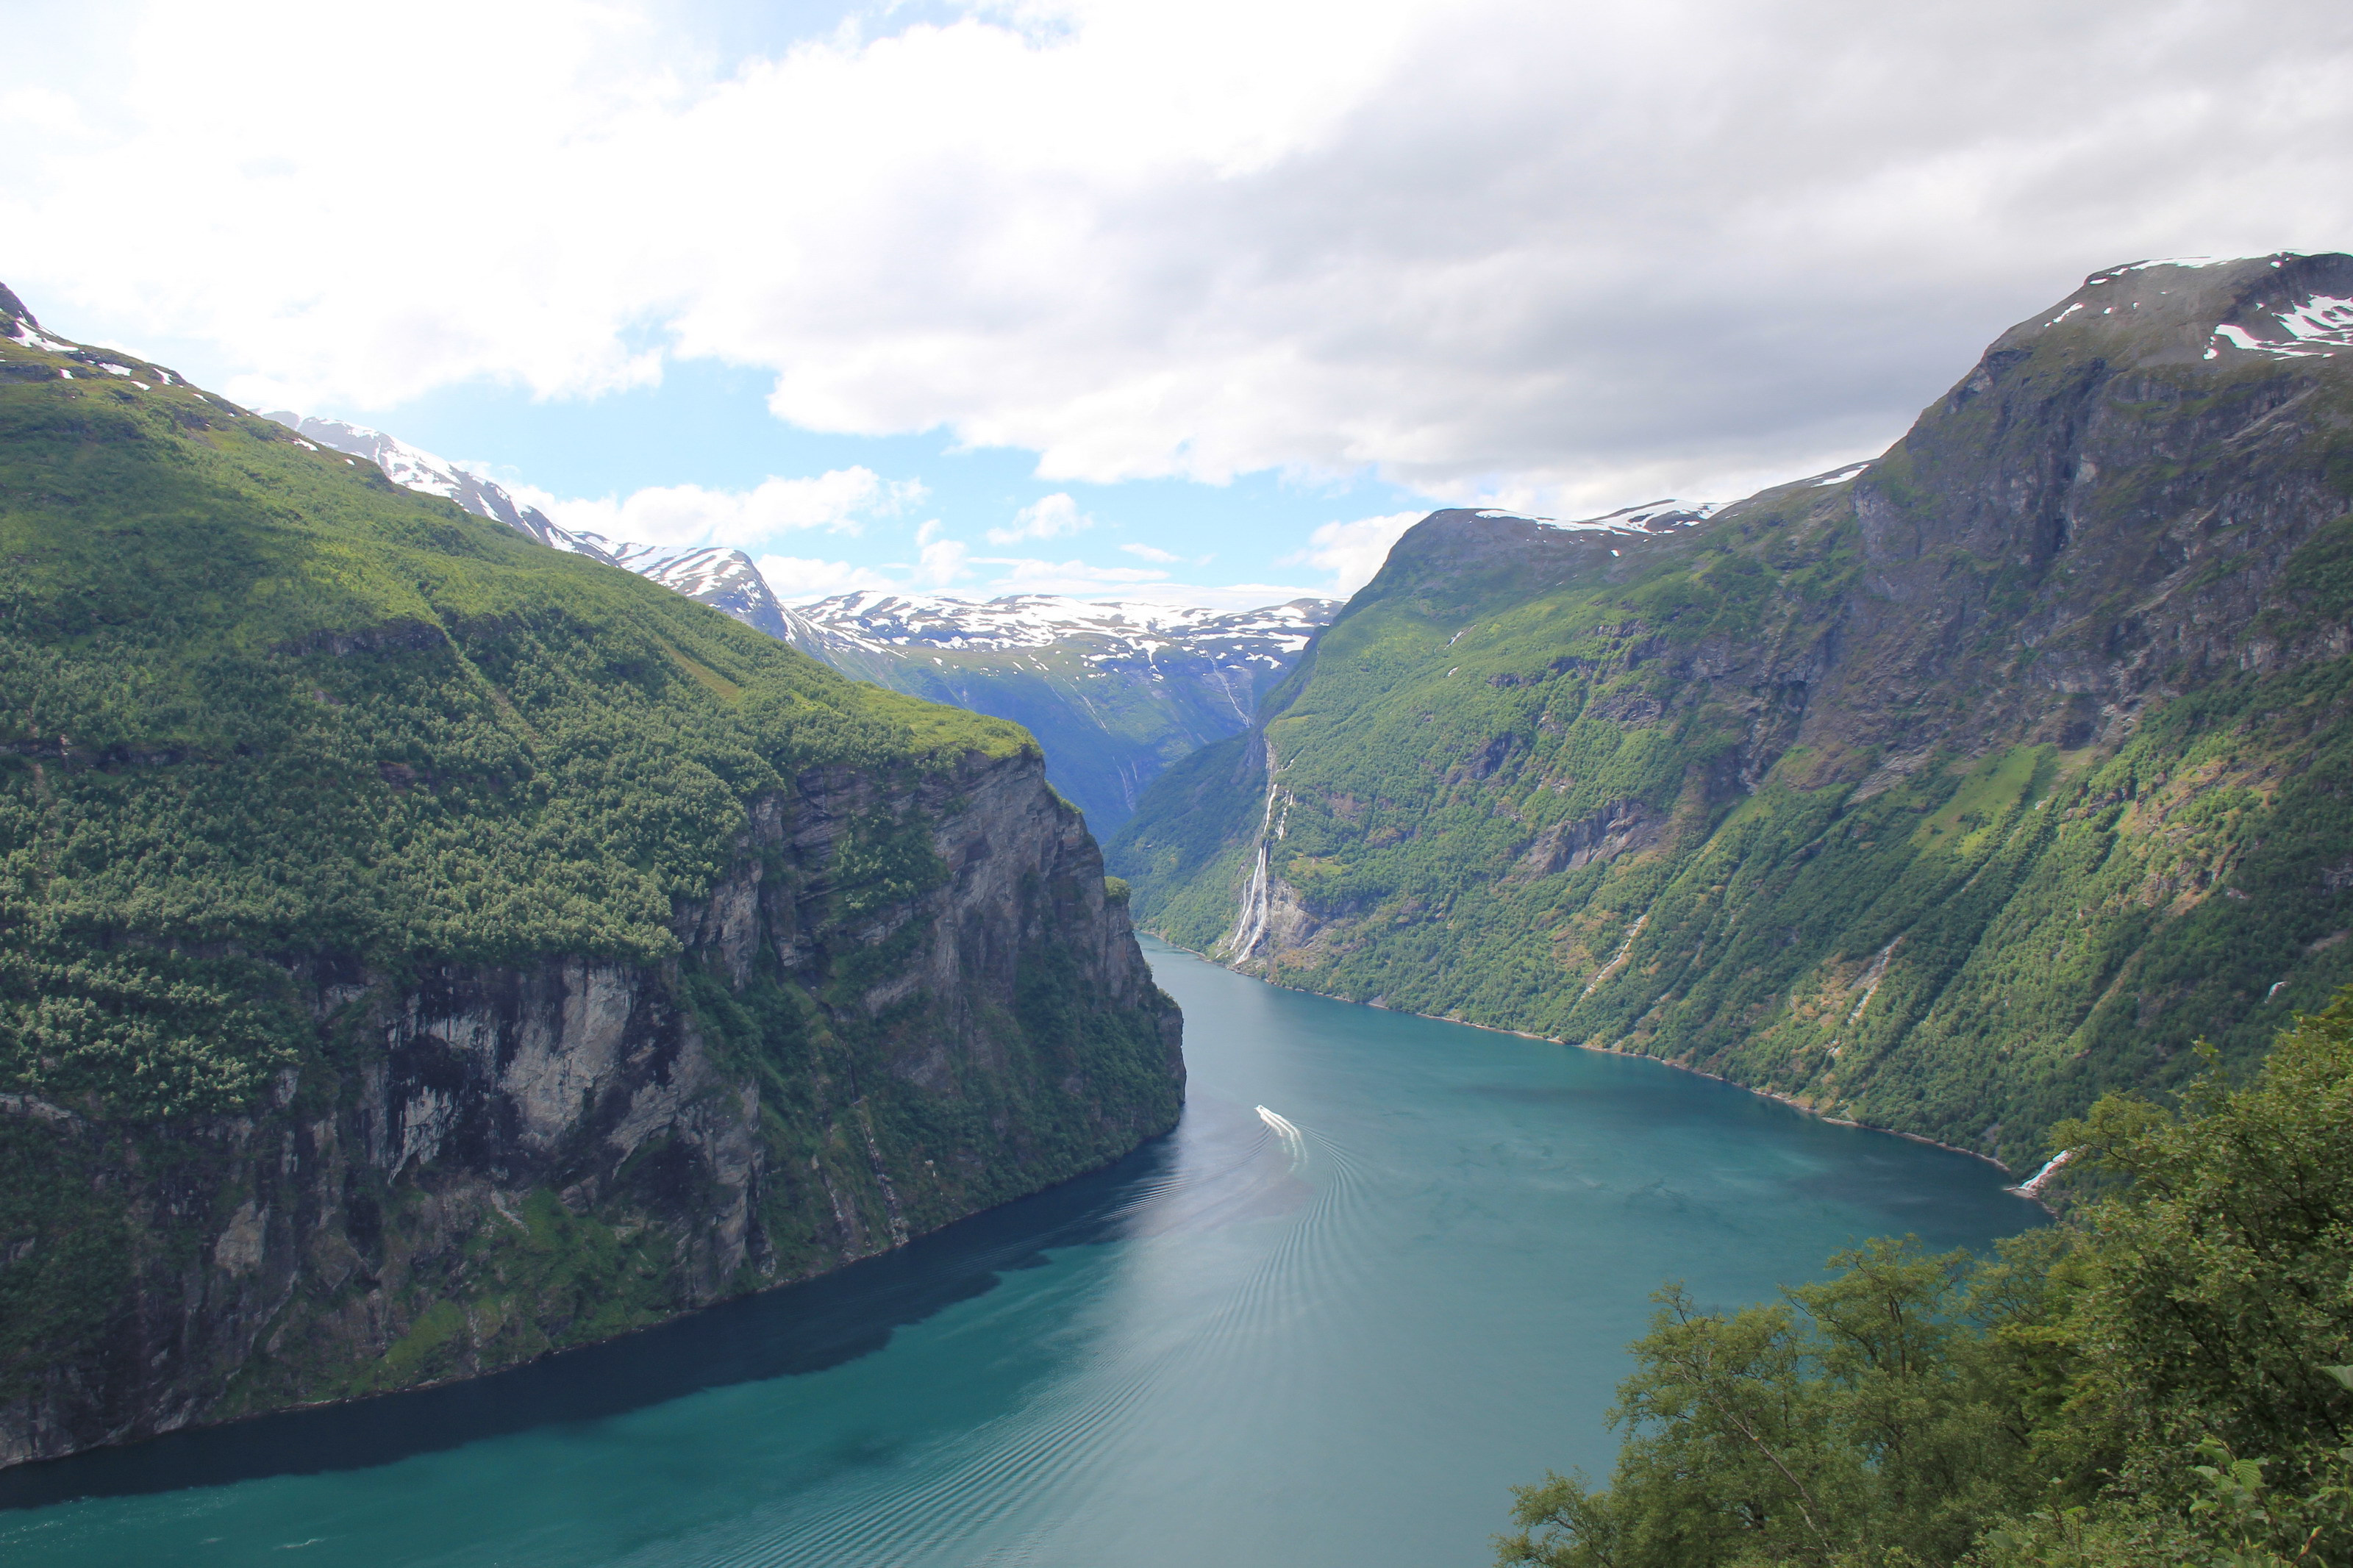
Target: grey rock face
489	1163
1944	791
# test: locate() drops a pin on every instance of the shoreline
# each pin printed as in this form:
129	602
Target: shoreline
2018	1189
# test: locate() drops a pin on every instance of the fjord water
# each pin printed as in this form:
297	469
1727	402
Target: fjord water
1333	1333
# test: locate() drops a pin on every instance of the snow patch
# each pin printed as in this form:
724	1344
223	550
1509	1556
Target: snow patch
1100	633
2320	326
28	336
1652	517
2113	273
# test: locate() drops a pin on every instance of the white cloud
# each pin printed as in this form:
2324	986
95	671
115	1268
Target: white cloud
1149	553
794	578
43	109
1017	574
843	500
939	562
1352	551
1052	517
1581	252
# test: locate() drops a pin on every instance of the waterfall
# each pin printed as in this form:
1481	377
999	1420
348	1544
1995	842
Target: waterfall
2032	1186
1618	962
1249	926
1872	977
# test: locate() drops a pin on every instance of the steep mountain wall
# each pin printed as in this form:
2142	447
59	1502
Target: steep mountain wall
420	949
1942	795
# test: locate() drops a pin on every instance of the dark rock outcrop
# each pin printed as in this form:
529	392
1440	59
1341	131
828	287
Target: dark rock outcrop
503	1161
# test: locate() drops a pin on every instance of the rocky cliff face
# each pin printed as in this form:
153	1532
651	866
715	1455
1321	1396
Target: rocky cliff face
420	949
1943	791
513	1159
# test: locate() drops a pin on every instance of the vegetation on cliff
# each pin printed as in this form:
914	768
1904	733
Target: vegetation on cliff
261	700
2158	1379
296	766
1945	795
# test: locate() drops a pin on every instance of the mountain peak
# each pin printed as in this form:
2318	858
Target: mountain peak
2284	305
1460	539
22	328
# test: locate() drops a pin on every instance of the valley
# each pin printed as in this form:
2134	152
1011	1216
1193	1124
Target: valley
563	984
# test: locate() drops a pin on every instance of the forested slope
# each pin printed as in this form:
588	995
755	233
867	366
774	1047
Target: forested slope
420	949
1943	795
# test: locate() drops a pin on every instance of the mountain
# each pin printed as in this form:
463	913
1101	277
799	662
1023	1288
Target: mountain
1941	793
1115	690
421	949
723	578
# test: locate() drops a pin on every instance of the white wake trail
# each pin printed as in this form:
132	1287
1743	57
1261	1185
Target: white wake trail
1293	1140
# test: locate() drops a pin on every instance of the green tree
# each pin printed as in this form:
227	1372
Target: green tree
2162	1378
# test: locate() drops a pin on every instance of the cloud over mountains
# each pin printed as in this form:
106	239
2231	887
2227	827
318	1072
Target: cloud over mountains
1557	255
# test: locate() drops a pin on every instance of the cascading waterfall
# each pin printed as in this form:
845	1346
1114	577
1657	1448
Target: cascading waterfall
2032	1186
1249	926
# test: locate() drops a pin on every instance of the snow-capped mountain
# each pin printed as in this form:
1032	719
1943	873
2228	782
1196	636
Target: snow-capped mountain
413	468
724	579
1111	632
1115	689
710	575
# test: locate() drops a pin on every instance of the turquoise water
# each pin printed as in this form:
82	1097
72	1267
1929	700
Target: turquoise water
1336	1336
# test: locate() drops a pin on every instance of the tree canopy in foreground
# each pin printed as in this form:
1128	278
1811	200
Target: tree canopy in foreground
2160	1378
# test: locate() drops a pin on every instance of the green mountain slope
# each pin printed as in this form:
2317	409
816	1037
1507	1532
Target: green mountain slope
1942	796
420	949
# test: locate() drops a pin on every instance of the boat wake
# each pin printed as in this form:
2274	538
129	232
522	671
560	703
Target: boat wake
1295	1142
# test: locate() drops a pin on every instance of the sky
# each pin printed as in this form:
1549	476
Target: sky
1196	299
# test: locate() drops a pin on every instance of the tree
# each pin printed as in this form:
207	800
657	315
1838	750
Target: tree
2161	1378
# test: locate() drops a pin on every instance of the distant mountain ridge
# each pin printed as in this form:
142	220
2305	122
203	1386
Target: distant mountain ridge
727	580
1114	690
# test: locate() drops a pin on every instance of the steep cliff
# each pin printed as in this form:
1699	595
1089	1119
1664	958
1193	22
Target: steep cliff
420	949
1942	792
